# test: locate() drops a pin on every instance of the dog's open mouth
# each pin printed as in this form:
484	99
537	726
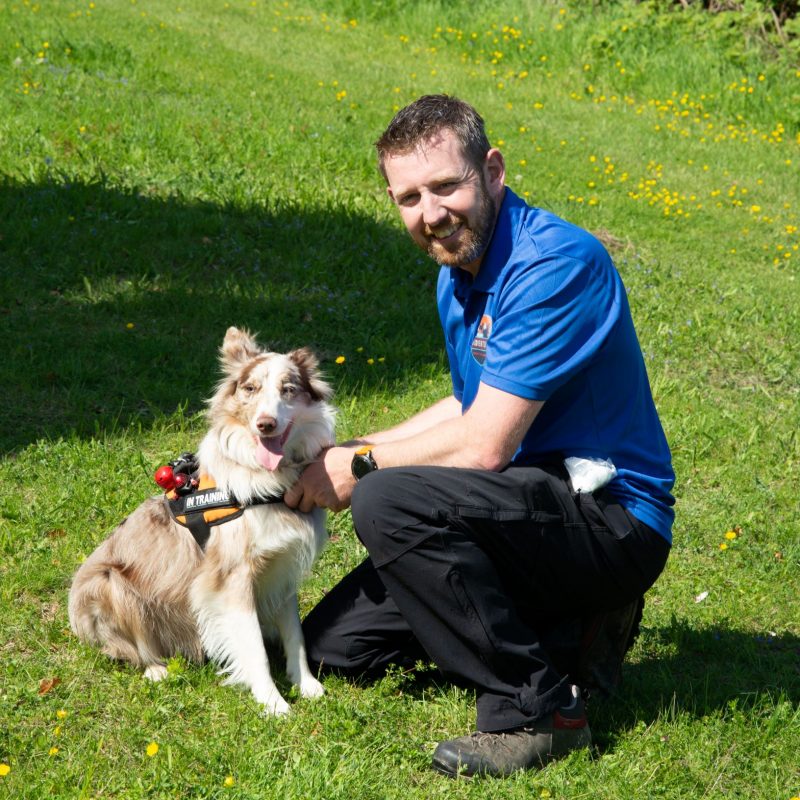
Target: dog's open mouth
269	449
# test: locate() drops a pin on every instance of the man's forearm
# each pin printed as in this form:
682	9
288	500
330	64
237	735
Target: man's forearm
485	437
425	420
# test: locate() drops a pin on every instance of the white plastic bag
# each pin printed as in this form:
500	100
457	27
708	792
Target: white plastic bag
589	474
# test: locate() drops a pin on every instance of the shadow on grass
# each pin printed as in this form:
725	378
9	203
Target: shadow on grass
113	303
702	672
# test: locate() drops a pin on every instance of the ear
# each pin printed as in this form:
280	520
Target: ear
310	375
494	171
238	346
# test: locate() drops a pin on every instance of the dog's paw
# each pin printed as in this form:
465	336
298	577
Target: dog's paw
156	672
273	705
277	707
311	687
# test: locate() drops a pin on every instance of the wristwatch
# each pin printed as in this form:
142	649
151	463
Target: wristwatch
363	462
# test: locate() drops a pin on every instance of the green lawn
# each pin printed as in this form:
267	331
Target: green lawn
168	169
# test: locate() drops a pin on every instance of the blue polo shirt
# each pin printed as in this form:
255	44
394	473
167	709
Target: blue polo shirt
547	318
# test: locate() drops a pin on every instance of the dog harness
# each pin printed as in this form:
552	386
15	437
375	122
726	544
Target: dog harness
206	506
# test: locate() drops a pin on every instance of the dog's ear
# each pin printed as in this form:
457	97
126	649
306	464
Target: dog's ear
238	346
310	375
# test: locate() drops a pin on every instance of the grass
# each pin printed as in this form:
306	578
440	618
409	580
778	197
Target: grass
169	169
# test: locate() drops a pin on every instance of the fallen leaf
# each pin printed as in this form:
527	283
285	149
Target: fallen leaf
48	684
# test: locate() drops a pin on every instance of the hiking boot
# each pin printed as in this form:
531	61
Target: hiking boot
529	747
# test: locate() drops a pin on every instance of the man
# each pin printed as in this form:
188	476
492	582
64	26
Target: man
477	539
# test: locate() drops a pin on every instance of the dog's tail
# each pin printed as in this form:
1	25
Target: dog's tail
106	611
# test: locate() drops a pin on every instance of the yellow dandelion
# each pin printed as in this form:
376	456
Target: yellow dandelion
4	770
730	535
152	749
340	359
370	361
130	326
229	781
53	751
61	714
723	546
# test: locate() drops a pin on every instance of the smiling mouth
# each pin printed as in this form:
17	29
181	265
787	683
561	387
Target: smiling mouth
269	449
445	232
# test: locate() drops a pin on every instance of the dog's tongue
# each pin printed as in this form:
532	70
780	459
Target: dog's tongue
269	450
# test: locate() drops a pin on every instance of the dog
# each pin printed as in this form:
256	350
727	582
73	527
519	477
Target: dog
150	592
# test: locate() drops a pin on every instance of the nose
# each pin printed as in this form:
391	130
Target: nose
433	212
266	425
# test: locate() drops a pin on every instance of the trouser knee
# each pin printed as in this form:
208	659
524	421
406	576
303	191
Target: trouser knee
389	510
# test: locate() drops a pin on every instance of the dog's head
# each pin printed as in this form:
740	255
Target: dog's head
266	395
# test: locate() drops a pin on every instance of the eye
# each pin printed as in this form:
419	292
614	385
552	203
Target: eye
408	200
247	388
289	390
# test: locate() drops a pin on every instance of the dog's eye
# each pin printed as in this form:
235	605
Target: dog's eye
247	388
289	390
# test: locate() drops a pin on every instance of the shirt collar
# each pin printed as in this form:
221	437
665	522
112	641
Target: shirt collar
497	254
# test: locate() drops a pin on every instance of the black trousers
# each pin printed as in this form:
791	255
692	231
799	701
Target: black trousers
466	566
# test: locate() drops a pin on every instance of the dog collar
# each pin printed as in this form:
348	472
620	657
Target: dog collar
207	505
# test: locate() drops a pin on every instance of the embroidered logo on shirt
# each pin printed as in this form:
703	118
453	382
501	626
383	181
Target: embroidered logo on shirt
481	339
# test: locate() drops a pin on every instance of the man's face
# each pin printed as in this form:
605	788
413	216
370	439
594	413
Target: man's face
448	205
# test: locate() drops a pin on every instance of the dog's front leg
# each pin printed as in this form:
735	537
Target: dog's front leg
231	636
294	646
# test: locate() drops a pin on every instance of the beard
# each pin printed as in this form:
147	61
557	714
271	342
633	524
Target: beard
475	236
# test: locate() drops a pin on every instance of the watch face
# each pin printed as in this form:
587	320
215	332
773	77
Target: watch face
362	465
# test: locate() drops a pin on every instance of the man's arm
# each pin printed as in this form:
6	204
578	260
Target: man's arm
445	409
485	437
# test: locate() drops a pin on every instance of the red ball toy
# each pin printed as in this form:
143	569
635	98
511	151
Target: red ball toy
165	478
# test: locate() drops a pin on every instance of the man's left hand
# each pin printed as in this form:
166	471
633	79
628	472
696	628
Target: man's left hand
326	483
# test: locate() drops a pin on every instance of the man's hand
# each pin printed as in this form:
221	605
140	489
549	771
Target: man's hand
326	483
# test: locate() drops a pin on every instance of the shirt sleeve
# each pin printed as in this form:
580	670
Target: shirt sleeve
551	319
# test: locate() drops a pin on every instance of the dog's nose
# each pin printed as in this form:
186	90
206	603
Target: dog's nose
266	425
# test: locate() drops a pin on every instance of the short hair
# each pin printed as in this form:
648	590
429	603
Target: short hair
428	116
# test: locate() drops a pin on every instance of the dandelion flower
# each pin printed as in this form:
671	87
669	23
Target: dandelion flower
61	713
152	749
53	751
730	535
340	359
4	770
229	781
723	546
130	326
